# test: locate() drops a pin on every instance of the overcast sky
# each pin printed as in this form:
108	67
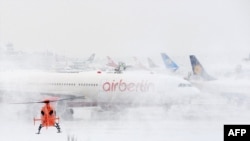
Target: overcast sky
127	27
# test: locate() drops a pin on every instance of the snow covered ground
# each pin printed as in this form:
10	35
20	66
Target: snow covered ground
202	120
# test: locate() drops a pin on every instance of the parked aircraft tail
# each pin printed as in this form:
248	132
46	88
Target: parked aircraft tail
139	65
198	69
151	63
169	63
91	58
111	63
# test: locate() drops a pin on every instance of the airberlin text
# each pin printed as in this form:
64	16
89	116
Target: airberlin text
122	86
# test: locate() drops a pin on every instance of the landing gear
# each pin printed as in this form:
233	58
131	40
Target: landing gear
56	125
58	128
39	129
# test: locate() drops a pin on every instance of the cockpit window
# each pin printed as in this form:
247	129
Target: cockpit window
184	85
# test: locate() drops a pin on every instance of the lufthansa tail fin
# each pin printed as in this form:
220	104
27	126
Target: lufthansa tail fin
198	70
169	63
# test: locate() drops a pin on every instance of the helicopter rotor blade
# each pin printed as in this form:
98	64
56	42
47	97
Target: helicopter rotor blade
28	102
48	100
70	98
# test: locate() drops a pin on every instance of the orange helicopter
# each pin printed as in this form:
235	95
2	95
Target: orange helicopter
48	117
48	114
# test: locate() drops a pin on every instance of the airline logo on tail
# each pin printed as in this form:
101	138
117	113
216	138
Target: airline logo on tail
111	63
169	63
198	70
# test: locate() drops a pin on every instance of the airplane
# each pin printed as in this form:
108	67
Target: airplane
198	70
99	88
241	70
82	65
117	68
121	66
111	63
237	89
169	63
151	63
91	58
173	68
200	73
138	65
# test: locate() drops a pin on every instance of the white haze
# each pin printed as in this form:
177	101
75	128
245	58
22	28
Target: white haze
202	120
126	28
217	32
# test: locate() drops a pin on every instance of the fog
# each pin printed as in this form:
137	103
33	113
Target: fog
119	28
202	120
50	35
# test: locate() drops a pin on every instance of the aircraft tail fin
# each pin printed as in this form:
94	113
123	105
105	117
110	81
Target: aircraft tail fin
151	63
169	63
91	58
139	65
198	69
111	63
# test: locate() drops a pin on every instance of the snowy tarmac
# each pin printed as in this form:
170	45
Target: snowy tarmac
199	121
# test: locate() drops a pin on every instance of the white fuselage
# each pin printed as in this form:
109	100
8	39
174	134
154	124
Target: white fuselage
224	86
101	87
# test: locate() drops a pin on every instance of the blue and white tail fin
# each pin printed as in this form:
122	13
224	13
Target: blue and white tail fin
198	70
169	63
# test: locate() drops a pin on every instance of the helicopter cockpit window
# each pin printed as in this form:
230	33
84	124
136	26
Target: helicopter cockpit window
50	112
